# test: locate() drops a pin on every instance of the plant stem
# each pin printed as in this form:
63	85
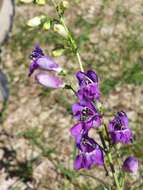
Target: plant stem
110	160
79	61
73	43
70	38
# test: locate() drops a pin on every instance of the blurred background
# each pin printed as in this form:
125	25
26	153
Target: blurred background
36	149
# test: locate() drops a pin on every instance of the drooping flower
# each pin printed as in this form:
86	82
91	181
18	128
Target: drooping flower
119	130
90	154
89	88
130	164
86	111
47	69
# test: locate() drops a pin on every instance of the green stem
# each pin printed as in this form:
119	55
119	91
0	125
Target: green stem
73	43
79	61
70	38
110	160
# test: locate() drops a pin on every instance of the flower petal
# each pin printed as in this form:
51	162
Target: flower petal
82	78
90	92
33	67
47	63
122	136
93	76
76	132
78	163
49	80
37	52
77	110
97	156
130	164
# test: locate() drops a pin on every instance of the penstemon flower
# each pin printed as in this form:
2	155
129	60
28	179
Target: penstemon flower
130	164
89	88
119	130
86	111
46	68
90	154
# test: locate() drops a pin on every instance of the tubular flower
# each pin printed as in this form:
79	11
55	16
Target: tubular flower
86	111
47	69
89	88
119	130
130	164
79	130
90	154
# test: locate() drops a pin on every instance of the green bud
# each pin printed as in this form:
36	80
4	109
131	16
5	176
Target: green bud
59	28
26	1
34	22
58	52
41	2
47	25
65	4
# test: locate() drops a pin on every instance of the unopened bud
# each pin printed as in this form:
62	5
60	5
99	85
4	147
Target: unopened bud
130	165
65	4
26	1
34	22
58	52
60	30
41	2
47	25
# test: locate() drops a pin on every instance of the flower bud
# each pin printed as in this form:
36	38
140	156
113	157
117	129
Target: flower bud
130	165
47	25
26	1
34	22
65	4
58	52
41	2
60	30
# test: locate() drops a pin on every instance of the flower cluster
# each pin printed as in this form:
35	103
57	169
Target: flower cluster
86	112
46	69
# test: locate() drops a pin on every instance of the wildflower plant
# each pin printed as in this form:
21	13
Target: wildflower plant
88	111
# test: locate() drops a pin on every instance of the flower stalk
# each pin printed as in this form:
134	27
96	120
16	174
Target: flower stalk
69	37
109	157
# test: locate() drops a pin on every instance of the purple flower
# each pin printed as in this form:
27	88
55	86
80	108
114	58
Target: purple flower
119	130
90	154
89	88
79	130
45	65
86	111
130	164
39	60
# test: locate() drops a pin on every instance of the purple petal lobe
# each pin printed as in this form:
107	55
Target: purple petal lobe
90	92
82	78
78	163
37	52
130	164
33	67
76	132
93	76
49	80
119	130
47	63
